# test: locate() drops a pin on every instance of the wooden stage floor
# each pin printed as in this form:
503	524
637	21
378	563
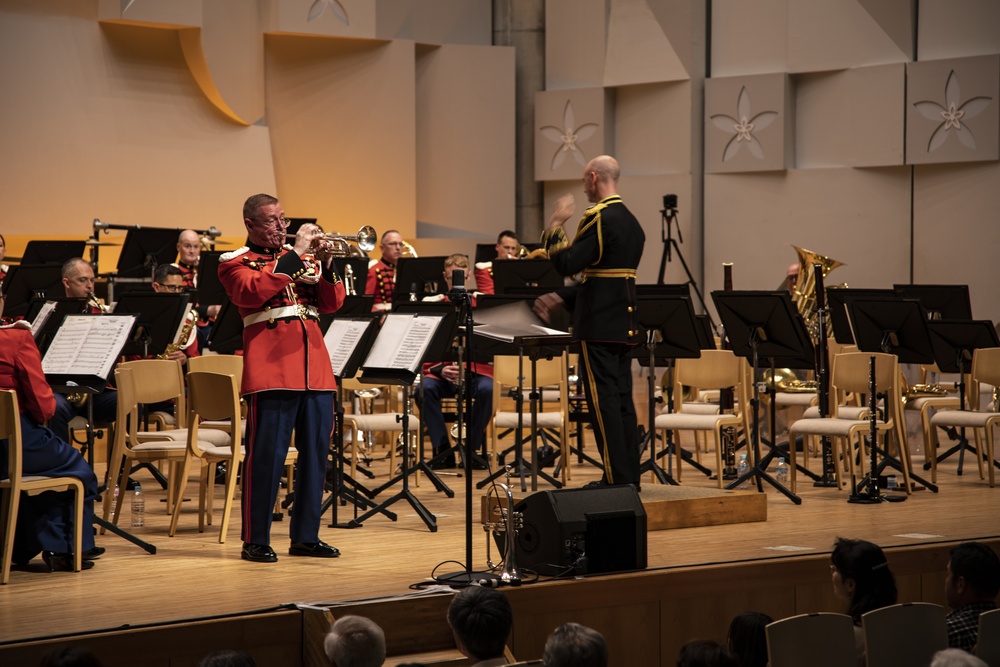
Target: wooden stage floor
193	576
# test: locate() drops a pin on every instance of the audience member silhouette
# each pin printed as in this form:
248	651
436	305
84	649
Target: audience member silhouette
705	653
747	640
355	641
956	657
228	658
862	577
481	619
971	587
69	656
575	645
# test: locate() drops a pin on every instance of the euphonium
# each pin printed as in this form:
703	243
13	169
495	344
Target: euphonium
805	288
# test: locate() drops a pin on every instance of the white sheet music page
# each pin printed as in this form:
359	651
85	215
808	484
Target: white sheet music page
341	339
43	314
87	345
402	341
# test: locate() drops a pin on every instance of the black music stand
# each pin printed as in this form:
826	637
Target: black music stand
24	284
671	333
954	341
359	268
51	253
668	289
144	248
893	326
763	324
837	300
417	277
209	291
159	317
397	362
43	332
509	274
942	302
226	334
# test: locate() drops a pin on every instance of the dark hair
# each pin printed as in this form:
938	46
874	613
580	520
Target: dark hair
481	619
386	233
251	207
228	658
747	639
507	233
979	566
163	271
705	653
69	656
866	564
575	645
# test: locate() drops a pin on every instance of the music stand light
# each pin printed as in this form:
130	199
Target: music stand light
942	302
417	277
51	253
158	318
838	298
513	273
27	283
144	249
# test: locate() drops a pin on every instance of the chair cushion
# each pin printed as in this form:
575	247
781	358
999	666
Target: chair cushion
379	422
790	398
685	421
161	446
963	418
849	412
832	426
545	420
214	437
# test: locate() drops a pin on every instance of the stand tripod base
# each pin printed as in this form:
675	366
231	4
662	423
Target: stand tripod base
129	537
465	578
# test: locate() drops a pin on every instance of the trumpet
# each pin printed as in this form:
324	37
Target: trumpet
364	242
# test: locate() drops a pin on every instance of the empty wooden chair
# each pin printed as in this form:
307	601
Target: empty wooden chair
988	640
904	634
817	640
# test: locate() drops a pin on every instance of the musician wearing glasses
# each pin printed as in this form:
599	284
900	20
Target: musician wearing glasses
168	279
382	274
280	291
606	251
507	247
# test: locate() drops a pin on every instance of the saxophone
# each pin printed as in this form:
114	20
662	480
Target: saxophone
184	339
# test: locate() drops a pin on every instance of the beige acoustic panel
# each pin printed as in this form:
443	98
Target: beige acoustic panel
748	123
850	118
749	37
571	128
653	127
953	110
837	34
465	138
949	29
342	118
109	124
857	216
332	18
639	50
436	21
575	43
156	12
955	232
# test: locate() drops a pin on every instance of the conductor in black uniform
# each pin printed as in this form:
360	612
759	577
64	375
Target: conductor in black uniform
606	252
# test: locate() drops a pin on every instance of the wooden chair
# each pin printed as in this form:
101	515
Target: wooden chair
552	416
361	425
817	640
16	482
715	369
904	634
985	370
159	381
988	641
229	364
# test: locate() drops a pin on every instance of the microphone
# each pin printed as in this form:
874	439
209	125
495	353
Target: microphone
458	280
489	583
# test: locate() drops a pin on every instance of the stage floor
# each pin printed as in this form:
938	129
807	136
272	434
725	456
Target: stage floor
193	576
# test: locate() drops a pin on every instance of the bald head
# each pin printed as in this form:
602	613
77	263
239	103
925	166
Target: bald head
189	247
600	178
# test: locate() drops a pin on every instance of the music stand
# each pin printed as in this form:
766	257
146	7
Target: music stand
51	253
159	318
209	291
60	309
893	326
487	252
359	267
418	277
144	248
23	284
942	302
838	298
669	289
293	224
509	274
763	324
226	334
954	341
669	328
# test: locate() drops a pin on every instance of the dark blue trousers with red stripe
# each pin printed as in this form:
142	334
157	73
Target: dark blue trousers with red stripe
607	370
272	416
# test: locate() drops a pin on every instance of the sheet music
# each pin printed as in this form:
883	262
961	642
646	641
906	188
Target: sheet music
402	341
87	345
43	314
509	333
341	339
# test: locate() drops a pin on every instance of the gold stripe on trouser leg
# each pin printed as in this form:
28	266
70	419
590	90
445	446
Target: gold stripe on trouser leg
596	408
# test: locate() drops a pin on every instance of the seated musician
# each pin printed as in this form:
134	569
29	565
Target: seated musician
507	246
168	279
440	380
3	253
78	281
44	521
188	258
382	274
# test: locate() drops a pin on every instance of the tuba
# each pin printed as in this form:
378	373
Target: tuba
805	288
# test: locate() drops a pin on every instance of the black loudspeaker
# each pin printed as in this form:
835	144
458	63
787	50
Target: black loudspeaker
582	531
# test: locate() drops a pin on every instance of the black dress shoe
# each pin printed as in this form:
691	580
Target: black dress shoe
63	562
93	554
442	465
596	484
316	550
258	553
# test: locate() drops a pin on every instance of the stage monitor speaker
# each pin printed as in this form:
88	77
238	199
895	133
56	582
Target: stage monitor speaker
582	531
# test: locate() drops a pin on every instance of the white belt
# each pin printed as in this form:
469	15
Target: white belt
284	312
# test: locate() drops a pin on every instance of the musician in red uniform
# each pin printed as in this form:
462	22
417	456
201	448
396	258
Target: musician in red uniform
507	245
188	254
288	382
382	274
45	521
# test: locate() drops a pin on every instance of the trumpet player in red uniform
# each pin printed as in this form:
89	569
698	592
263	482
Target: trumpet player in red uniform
288	382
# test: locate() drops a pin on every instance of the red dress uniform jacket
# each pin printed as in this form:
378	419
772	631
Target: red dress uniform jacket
189	274
21	370
381	282
484	277
285	352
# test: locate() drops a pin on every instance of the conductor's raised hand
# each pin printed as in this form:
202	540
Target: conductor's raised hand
565	206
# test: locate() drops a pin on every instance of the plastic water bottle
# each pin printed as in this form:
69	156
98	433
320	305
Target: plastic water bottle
114	501
781	474
138	508
742	469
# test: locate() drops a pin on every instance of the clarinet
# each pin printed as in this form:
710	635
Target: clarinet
823	377
727	397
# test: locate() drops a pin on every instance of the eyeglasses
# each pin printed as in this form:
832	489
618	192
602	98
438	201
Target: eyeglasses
171	288
274	222
83	280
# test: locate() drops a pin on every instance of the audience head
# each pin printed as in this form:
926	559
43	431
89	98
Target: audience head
228	658
861	575
392	246
189	247
575	645
70	656
705	653
747	638
956	657
355	641
78	278
481	619
973	575
507	245
168	278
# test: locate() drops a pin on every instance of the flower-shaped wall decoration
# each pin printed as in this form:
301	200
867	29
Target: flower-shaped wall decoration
567	137
952	115
743	127
337	9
